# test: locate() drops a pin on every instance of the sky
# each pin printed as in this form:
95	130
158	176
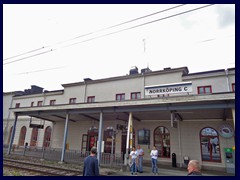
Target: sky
53	44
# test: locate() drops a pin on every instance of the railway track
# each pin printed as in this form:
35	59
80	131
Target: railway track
40	169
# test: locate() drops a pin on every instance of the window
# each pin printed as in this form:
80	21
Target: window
52	102
204	89
32	104
47	137
34	137
72	100
209	143
162	141
120	97
91	99
136	95
17	105
233	87
144	136
22	136
40	103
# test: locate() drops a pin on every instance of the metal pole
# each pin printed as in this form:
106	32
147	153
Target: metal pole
233	115
131	131
127	143
12	135
112	150
179	143
99	139
65	137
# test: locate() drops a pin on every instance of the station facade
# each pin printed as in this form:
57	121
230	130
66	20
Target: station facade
187	115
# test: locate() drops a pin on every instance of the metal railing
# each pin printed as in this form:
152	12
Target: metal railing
71	156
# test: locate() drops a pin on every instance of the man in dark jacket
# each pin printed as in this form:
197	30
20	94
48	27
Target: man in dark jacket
91	167
194	168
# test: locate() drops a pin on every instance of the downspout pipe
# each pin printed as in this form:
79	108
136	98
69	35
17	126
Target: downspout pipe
228	85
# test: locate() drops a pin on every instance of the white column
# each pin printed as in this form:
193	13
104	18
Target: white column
180	144
12	135
129	134
65	137
99	147
233	115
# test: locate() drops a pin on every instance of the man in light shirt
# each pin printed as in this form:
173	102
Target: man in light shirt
133	159
140	158
154	156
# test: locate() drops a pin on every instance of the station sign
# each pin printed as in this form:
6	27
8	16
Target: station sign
173	88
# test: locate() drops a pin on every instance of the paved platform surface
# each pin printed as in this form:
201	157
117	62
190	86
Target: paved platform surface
166	171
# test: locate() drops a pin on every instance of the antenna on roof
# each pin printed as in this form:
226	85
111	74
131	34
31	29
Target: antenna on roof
144	45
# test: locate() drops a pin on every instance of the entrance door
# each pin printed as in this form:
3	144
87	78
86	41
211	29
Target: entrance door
89	140
108	141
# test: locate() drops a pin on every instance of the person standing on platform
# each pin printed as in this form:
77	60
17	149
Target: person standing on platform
140	158
133	159
154	156
91	167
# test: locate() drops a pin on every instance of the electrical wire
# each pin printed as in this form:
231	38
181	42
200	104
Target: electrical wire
100	30
139	25
24	53
29	56
41	70
97	37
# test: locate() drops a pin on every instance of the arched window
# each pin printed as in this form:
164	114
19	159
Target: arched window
10	133
47	137
162	141
34	137
210	148
22	136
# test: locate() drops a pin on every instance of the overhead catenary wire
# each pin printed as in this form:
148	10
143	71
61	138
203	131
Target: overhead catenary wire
132	27
100	30
24	53
150	22
29	56
41	70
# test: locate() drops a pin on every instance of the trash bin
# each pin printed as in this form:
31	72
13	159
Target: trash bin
186	160
174	160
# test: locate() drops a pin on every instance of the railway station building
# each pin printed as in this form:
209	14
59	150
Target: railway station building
185	115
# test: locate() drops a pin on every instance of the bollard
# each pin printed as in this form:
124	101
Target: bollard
174	160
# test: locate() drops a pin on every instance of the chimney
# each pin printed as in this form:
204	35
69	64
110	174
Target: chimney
133	70
168	68
145	70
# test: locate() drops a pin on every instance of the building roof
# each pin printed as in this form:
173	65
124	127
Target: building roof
184	70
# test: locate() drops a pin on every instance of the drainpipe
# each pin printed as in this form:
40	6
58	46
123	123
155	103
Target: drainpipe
143	85
228	85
